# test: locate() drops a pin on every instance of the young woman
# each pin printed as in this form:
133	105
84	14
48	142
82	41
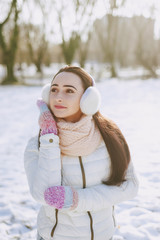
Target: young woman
79	166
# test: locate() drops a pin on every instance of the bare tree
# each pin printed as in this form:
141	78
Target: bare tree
145	47
83	50
37	45
108	41
9	46
82	11
37	41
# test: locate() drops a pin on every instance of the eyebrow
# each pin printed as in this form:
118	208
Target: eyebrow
64	86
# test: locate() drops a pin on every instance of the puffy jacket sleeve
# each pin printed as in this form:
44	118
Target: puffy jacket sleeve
43	165
102	196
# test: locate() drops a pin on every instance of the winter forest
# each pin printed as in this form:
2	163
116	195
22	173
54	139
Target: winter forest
118	43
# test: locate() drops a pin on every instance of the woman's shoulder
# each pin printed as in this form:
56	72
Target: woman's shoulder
102	149
32	143
33	139
102	144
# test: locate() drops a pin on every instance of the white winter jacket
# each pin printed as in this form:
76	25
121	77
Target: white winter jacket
93	219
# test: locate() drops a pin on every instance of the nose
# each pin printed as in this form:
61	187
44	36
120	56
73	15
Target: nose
59	98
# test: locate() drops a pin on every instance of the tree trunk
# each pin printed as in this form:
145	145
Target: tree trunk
83	50
38	64
9	52
113	71
10	78
82	62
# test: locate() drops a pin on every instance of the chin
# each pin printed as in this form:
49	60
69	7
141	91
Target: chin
60	114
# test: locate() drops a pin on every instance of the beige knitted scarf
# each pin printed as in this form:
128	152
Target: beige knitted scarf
80	138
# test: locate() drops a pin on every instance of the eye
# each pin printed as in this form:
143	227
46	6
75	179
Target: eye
69	91
54	90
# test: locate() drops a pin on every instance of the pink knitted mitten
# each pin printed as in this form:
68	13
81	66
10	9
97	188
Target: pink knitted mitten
61	197
46	121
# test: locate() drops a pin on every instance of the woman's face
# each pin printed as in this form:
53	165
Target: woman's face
66	92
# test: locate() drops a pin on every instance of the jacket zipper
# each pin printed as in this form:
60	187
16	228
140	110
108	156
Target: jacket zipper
84	186
55	225
88	212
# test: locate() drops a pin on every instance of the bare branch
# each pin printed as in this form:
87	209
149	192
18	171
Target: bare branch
10	11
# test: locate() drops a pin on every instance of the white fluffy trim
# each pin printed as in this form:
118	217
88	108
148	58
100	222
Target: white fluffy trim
45	93
90	101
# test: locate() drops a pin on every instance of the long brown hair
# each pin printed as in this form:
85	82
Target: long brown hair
114	140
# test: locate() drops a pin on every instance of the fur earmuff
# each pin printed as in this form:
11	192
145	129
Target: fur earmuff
90	101
45	93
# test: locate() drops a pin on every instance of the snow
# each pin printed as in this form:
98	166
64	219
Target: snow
134	106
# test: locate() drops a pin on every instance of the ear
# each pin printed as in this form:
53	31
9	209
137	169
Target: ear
90	101
45	93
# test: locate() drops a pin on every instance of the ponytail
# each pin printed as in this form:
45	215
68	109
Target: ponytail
117	148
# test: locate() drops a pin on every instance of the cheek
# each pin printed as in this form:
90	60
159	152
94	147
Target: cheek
75	102
51	102
51	98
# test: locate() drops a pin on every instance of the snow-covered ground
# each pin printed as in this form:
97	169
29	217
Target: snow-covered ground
134	106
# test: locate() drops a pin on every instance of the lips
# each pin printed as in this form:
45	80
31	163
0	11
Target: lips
59	107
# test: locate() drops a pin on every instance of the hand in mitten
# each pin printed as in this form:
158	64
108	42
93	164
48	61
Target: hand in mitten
46	121
61	197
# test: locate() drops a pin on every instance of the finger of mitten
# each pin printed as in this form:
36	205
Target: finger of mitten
68	201
75	199
71	197
54	196
47	123
47	117
42	106
48	130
